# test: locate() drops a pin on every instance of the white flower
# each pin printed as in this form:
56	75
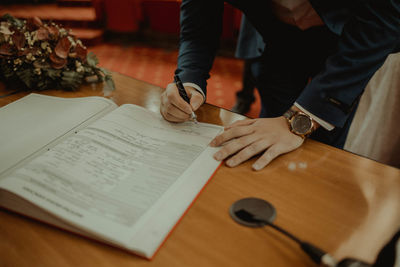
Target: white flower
30	57
44	45
79	42
72	41
63	32
17	61
34	36
29	39
80	69
37	71
4	28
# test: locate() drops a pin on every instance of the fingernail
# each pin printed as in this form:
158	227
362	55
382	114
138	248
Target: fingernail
217	156
213	142
231	163
256	167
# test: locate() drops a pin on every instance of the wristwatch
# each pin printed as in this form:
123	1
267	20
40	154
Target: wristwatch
299	123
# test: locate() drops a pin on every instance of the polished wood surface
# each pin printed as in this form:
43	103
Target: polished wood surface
343	203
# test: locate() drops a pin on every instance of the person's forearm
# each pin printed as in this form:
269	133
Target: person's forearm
201	26
368	37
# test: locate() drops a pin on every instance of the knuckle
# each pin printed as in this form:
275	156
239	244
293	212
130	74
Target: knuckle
167	116
241	142
267	156
238	122
218	138
229	149
162	111
239	131
273	152
164	97
245	154
252	149
170	92
168	107
170	96
223	153
238	158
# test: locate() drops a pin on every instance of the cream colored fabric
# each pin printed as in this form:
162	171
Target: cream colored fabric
375	130
299	13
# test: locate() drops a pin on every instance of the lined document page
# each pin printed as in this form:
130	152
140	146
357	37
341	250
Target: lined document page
33	122
107	177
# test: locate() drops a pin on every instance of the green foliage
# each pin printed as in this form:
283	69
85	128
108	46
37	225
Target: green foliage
6	70
13	21
92	60
71	80
53	74
27	76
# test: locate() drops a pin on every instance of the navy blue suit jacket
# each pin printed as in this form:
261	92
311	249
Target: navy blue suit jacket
250	43
369	30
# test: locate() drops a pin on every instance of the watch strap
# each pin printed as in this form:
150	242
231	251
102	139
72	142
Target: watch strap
289	113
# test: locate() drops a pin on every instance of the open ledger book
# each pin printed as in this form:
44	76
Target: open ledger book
121	175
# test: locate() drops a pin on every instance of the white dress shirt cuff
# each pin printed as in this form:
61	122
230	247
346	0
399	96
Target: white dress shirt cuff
320	121
195	86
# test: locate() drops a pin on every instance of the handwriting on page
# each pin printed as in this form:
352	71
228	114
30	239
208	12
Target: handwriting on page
118	167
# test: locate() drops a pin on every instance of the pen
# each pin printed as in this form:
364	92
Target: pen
182	93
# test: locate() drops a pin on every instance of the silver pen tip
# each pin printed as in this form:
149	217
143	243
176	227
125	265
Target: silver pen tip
194	117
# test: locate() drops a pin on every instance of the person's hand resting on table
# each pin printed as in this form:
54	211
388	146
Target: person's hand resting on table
247	138
241	140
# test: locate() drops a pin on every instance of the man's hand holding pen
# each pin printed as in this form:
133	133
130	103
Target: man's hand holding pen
174	108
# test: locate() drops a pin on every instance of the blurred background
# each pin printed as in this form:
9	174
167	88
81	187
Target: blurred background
139	38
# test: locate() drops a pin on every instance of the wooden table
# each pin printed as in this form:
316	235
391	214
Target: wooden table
343	203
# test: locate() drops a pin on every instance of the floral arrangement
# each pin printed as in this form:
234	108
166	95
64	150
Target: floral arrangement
39	56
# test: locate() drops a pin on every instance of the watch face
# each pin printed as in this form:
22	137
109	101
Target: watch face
301	124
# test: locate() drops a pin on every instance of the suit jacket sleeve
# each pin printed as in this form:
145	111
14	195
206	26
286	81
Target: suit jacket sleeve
201	27
369	35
